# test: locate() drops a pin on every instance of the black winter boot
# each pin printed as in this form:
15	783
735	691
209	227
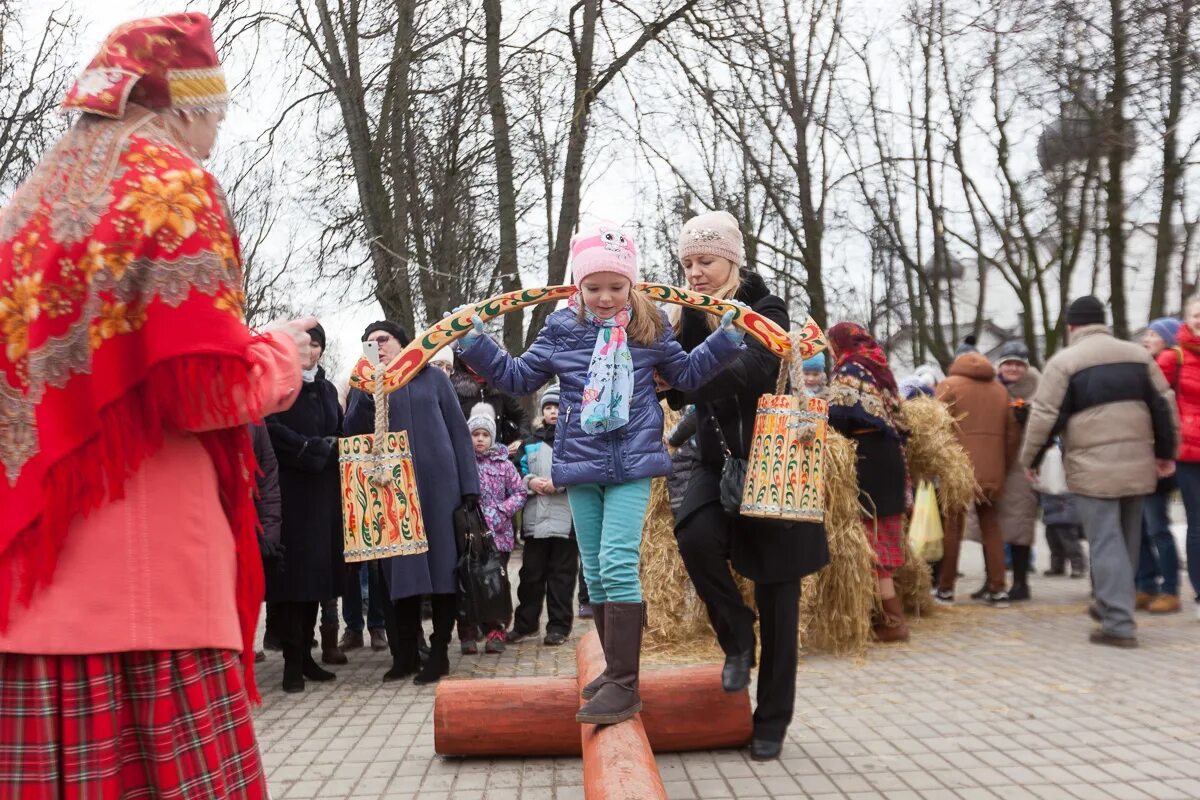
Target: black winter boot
330	652
617	699
404	630
314	672
589	691
437	666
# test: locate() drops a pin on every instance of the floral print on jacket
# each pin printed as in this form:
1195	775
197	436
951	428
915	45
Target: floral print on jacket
501	494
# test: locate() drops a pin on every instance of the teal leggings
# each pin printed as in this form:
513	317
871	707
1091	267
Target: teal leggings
608	524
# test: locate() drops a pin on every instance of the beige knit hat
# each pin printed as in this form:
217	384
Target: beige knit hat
714	233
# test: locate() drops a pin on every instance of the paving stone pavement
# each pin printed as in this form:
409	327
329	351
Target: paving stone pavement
983	703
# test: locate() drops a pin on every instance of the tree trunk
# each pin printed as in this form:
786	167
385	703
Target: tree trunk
1116	174
568	212
506	265
1177	20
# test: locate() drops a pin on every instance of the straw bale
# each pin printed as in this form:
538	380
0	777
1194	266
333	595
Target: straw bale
934	454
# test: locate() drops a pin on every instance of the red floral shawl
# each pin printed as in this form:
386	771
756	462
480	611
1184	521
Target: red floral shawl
120	308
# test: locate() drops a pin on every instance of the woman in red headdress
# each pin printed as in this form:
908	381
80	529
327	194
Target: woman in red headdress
130	577
864	405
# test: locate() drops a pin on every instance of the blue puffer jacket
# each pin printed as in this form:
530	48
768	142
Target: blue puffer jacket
564	348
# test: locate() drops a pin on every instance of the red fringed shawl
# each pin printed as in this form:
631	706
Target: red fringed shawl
121	316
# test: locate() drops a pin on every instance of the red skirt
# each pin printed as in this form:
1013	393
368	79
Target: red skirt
887	537
152	724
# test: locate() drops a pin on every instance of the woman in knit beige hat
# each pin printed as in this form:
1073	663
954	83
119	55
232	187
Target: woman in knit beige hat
775	555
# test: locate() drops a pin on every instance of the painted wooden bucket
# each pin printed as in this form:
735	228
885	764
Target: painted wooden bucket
381	511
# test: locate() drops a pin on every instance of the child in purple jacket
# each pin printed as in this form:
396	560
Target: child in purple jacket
606	348
502	494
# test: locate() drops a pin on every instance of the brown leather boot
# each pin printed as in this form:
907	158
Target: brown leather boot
330	652
589	691
1164	604
892	627
617	699
1142	600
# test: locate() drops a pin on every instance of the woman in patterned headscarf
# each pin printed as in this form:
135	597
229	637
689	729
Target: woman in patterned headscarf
130	574
864	405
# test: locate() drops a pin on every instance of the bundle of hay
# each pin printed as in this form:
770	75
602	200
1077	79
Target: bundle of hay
934	454
913	582
677	626
836	603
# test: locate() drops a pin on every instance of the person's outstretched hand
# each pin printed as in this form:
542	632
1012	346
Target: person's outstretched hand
295	329
475	333
727	327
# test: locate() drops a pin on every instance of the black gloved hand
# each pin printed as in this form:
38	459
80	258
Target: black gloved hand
270	551
1021	412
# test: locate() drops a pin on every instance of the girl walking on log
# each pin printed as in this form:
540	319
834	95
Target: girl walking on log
605	348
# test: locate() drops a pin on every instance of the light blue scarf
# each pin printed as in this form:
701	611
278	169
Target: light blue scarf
609	384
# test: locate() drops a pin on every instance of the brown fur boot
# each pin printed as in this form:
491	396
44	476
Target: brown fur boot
891	626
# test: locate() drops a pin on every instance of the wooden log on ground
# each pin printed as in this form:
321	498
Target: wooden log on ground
536	716
618	763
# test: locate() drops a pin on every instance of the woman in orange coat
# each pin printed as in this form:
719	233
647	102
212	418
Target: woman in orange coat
130	575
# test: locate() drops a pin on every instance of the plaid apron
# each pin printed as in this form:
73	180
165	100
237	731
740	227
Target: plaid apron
147	724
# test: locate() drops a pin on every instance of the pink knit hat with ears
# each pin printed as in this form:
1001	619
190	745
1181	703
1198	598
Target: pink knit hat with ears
603	248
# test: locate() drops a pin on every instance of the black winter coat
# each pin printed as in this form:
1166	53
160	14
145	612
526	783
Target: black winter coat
267	504
512	423
305	441
766	551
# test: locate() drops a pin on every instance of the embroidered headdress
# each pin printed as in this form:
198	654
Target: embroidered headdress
158	62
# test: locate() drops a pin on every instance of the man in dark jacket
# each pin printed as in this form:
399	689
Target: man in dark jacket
1115	413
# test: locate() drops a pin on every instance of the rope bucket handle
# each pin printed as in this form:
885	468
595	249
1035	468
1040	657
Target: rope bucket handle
379	473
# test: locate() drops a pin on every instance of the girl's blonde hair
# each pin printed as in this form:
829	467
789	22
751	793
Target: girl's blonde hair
645	324
725	291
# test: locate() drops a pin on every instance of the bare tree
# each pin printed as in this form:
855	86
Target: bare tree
591	79
34	77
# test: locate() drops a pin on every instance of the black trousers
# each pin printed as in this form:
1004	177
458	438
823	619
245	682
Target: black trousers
583	594
296	623
548	571
704	543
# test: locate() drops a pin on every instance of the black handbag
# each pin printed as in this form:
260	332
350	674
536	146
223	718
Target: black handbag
485	596
733	474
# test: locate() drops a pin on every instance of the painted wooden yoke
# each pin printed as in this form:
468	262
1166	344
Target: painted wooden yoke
806	342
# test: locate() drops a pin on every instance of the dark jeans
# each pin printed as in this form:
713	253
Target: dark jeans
583	594
370	583
704	540
1065	547
1187	476
548	571
1159	558
366	584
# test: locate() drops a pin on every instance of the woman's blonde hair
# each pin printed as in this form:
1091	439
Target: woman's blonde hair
645	324
724	292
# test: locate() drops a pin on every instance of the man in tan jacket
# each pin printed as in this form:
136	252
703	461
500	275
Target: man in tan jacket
988	431
1114	411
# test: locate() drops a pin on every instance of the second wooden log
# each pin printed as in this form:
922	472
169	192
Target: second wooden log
618	763
683	708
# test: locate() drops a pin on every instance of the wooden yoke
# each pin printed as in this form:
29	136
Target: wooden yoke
806	342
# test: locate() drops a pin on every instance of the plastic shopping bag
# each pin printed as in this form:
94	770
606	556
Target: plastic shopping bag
1052	477
925	528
